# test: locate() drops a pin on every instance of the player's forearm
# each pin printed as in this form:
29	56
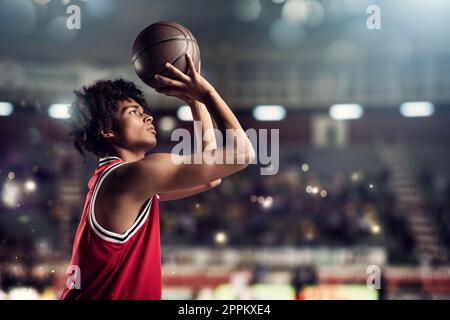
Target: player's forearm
226	120
218	108
201	113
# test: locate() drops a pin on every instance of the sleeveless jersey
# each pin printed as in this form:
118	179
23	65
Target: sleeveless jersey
110	266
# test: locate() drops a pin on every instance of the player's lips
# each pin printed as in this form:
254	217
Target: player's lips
151	129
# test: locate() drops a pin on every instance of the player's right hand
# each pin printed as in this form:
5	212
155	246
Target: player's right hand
191	86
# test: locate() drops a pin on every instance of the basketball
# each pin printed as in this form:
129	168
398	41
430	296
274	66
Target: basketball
159	43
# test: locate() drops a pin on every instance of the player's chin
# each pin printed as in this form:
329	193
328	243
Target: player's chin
147	143
148	140
152	142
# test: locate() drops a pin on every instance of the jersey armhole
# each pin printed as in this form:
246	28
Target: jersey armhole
109	235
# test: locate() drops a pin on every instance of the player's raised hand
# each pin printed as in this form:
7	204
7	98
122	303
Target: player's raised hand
188	87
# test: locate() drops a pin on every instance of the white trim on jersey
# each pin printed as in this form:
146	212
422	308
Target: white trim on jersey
104	160
109	235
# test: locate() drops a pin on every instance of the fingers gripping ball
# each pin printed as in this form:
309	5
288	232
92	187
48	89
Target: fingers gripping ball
159	43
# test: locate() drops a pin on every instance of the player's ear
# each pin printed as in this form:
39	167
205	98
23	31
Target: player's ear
105	133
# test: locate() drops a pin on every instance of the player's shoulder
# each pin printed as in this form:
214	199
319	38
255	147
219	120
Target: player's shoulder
136	179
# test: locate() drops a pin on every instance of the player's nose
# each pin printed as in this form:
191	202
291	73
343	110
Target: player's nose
148	118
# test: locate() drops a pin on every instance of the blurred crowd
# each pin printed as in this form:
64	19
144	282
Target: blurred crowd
304	205
297	207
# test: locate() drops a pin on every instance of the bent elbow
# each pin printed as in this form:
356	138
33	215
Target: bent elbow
214	183
251	155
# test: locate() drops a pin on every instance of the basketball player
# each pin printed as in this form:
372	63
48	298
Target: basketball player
116	252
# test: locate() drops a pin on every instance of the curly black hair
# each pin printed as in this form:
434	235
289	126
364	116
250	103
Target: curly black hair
94	110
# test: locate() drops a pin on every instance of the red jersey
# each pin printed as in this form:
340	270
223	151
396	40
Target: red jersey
112	265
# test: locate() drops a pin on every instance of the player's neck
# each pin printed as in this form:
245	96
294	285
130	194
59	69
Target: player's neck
127	155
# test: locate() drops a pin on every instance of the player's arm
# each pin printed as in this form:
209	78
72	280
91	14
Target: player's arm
205	138
184	193
165	172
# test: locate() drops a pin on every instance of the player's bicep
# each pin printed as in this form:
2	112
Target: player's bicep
165	172
175	172
184	193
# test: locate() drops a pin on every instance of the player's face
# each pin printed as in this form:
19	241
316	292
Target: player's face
137	131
